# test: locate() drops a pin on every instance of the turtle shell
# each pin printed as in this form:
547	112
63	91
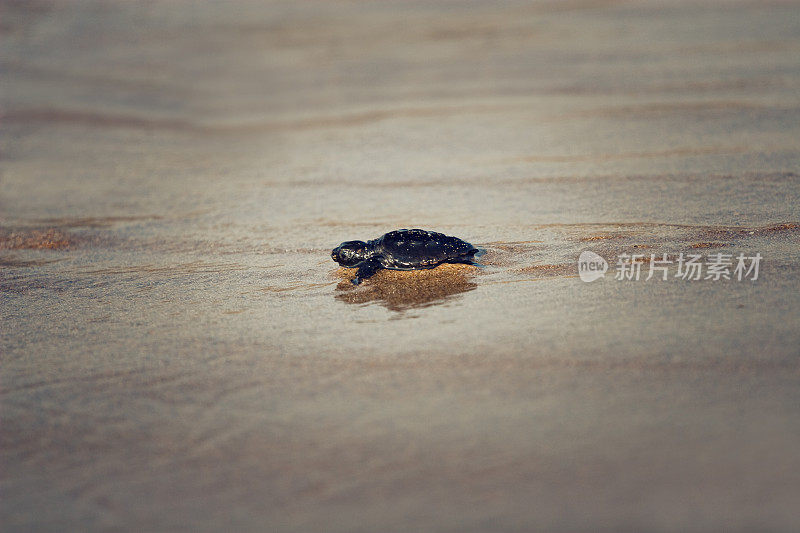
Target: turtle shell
408	249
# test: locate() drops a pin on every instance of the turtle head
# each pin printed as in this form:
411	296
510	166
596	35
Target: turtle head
351	253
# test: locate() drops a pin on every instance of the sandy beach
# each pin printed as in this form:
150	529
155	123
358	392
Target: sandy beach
180	353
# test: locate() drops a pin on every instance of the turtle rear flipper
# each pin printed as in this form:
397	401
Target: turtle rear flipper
462	261
367	269
465	259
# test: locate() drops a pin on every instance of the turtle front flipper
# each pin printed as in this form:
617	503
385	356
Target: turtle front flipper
367	269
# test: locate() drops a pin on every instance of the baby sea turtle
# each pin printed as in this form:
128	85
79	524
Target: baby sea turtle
405	249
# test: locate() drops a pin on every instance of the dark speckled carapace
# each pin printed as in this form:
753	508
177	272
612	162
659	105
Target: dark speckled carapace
405	249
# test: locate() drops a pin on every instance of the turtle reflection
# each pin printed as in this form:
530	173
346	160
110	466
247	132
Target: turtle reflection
402	290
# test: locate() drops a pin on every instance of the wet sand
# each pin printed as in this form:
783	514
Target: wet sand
179	352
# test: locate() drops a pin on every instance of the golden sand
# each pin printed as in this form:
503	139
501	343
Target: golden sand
34	239
405	289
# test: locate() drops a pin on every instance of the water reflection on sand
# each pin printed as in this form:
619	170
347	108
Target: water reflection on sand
402	290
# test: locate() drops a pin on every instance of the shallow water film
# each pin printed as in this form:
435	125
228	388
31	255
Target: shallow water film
179	352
